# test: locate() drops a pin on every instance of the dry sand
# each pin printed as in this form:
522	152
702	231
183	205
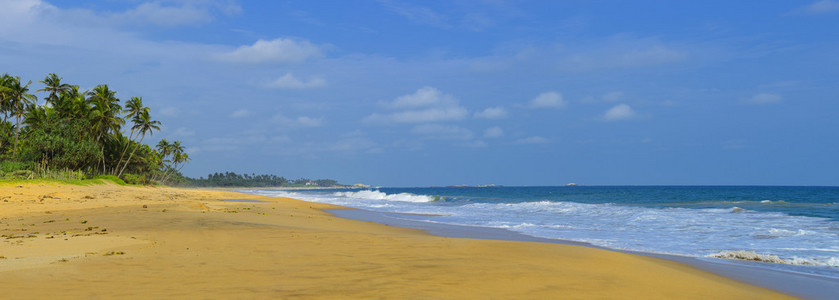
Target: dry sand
108	241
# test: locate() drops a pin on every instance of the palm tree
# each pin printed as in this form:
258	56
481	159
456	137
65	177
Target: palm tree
54	86
178	157
72	104
144	125
162	150
106	110
18	98
135	108
104	116
5	105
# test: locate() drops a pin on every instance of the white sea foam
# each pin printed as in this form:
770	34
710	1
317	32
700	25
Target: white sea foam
699	232
774	202
749	255
768	258
783	232
377	195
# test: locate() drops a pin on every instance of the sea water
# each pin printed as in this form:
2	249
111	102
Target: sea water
790	228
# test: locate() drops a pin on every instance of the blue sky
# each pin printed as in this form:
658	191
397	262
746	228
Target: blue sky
417	93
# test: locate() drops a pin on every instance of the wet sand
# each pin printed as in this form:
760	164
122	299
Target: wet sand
109	241
756	273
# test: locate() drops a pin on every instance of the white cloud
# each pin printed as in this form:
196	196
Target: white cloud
289	81
533	140
279	50
822	7
416	13
240	113
425	105
169	111
192	150
420	116
493	132
613	96
423	97
474	144
356	144
547	99
443	132
620	52
183	132
309	122
224	144
301	121
491	113
763	98
620	112
157	14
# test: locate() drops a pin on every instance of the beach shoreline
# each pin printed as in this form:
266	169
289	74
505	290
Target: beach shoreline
797	284
110	241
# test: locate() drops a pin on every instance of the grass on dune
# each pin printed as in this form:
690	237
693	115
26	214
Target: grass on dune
101	179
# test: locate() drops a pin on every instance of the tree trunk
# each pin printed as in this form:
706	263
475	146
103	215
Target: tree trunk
17	134
131	155
130	137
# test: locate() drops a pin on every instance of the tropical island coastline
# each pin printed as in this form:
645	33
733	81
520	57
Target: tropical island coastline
91	233
404	149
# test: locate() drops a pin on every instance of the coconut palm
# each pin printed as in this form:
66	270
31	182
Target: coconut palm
54	87
134	108
179	157
5	105
143	124
18	98
72	104
106	110
104	116
164	148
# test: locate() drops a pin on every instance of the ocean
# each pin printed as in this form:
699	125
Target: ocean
787	228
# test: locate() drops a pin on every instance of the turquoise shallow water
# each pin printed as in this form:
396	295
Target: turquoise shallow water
791	227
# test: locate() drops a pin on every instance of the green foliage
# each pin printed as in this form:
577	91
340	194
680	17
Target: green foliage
19	174
231	179
53	142
6	137
110	178
10	166
326	182
80	134
63	174
135	179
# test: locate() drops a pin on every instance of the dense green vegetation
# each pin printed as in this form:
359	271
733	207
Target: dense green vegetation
230	179
73	135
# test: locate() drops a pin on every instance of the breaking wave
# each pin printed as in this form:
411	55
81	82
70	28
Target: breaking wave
377	195
768	258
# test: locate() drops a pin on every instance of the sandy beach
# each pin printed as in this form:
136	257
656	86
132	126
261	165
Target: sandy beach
107	241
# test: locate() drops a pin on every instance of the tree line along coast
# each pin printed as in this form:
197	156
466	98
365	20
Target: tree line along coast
74	135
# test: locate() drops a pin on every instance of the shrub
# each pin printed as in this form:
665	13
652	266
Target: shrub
111	178
135	179
20	174
8	166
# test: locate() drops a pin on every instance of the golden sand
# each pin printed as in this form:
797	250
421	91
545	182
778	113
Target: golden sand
108	241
